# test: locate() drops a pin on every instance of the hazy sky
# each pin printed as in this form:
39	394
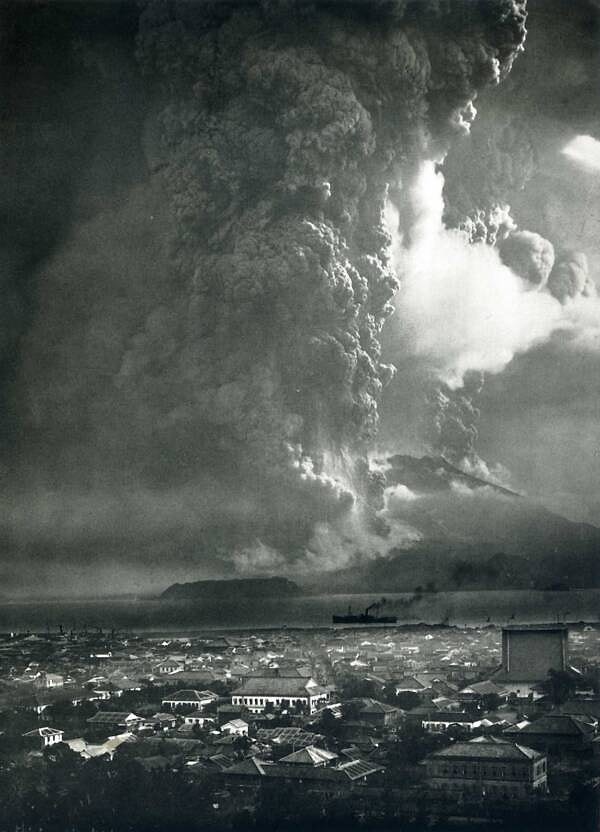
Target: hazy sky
227	225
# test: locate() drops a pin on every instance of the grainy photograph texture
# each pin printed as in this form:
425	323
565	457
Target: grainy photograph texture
299	415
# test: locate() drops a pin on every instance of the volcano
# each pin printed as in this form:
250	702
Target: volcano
471	534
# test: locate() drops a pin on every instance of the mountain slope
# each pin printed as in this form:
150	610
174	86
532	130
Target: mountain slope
473	534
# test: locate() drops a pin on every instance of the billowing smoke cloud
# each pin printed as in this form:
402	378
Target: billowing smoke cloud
450	418
217	326
570	277
282	129
529	255
507	174
352	541
460	308
467	307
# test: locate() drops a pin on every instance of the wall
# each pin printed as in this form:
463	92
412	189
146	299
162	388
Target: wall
529	655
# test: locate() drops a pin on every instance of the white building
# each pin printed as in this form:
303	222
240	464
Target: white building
236	727
440	721
280	692
198	699
200	721
49	680
45	736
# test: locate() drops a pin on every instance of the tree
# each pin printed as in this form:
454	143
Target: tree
241	744
329	724
354	687
559	686
351	710
490	701
417	743
211	708
407	700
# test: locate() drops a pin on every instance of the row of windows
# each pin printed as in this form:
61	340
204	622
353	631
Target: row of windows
262	700
474	770
489	789
443	726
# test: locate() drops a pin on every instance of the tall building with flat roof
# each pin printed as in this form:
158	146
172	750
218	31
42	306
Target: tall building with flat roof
529	651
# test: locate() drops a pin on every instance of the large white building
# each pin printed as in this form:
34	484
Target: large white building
282	692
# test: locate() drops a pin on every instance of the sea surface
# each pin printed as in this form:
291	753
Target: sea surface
453	608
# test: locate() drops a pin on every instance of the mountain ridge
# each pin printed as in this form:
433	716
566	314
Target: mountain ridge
228	587
473	534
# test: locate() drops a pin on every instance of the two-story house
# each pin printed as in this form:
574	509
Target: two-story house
280	692
488	767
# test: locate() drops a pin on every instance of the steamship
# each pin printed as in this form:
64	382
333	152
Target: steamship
366	617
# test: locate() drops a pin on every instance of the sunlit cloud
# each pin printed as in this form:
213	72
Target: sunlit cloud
585	150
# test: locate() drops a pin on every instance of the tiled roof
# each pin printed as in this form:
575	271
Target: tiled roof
190	696
235	723
483	688
561	724
311	755
409	683
274	686
488	749
373	706
112	717
582	707
355	769
43	732
280	673
288	736
450	716
352	770
250	766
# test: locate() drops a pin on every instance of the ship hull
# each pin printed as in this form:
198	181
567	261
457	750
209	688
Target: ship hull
364	619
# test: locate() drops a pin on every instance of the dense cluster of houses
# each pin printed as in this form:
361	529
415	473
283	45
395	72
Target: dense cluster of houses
332	711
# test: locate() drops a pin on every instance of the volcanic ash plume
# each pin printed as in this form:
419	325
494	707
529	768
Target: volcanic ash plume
467	307
570	278
461	309
277	129
529	255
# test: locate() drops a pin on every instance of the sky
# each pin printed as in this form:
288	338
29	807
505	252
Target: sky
250	251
